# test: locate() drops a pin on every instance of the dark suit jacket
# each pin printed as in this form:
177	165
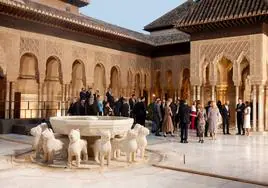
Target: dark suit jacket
125	110
240	110
184	113
225	112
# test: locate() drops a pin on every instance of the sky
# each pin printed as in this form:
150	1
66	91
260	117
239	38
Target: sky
131	14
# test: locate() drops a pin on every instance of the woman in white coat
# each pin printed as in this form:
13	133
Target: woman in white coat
247	112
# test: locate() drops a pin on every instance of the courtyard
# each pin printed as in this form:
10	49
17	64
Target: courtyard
233	156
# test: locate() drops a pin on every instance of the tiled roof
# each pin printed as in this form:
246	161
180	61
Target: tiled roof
88	22
211	11
169	19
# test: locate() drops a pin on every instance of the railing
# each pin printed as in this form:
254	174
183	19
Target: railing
32	109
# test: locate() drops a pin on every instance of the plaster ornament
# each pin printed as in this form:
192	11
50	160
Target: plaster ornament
76	147
50	145
102	148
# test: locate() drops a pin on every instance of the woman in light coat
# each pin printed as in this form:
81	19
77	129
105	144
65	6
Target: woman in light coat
213	119
246	125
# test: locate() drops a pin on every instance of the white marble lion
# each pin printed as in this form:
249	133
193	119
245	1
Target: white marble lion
128	144
51	145
76	147
37	142
142	141
102	148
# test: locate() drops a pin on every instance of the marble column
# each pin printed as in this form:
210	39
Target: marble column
254	99
261	108
198	92
40	99
213	93
266	108
202	95
194	93
11	99
7	101
63	105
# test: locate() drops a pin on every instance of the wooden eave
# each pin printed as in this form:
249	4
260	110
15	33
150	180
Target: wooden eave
47	18
227	23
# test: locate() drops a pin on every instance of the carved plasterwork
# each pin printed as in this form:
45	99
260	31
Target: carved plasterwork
100	57
54	49
79	53
29	45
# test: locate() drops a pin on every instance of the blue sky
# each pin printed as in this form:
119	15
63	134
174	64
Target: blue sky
131	14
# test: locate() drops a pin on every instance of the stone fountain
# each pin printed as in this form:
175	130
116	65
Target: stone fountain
90	126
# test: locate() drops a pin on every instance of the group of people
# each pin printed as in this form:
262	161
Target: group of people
90	103
169	115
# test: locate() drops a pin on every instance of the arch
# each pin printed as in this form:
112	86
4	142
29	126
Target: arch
78	77
186	88
99	78
27	85
169	84
138	84
29	67
115	83
52	85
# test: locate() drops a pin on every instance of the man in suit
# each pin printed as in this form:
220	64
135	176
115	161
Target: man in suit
225	112
157	116
239	115
184	114
132	102
125	108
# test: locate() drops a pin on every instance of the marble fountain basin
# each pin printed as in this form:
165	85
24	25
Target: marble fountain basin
89	126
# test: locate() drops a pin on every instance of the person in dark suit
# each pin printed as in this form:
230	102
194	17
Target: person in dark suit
73	109
225	112
110	97
82	108
132	102
83	94
239	115
140	112
157	116
125	108
206	127
184	115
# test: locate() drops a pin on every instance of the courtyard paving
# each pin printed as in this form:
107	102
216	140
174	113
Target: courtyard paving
236	156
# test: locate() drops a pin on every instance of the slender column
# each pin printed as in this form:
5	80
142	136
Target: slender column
7	101
266	108
202	95
194	93
40	86
11	99
261	109
63	106
198	94
254	108
213	93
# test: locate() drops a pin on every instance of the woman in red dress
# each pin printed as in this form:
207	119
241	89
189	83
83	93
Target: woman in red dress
193	115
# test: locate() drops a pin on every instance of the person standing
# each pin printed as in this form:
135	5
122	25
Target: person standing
193	115
239	115
184	116
207	124
74	108
132	102
225	117
140	112
125	108
247	112
213	119
100	106
157	116
173	108
167	123
110	97
201	123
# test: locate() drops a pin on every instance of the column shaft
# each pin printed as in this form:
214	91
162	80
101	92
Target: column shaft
261	109
266	108
254	108
194	93
198	94
213	93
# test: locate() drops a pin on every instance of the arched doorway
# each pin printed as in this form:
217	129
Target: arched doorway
99	79
115	81
225	90
169	85
2	93
138	85
52	86
185	86
78	78
27	88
